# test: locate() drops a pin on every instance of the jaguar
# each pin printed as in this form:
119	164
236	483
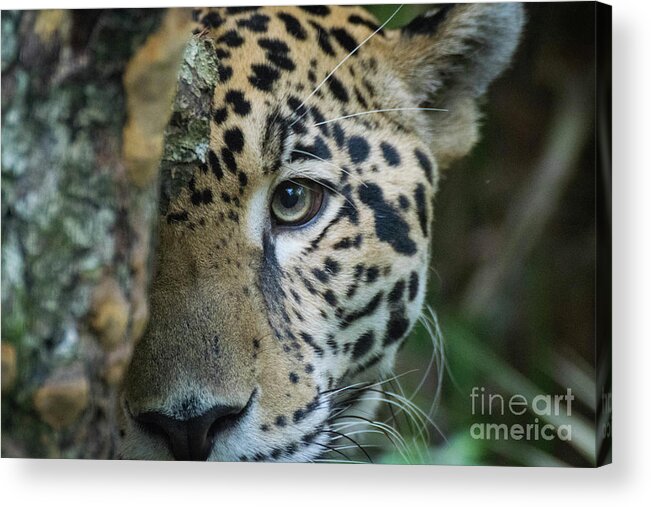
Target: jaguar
293	265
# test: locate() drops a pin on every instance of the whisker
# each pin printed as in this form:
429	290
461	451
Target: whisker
362	432
347	437
408	409
369	446
385	428
342	62
437	340
332	449
366	384
379	111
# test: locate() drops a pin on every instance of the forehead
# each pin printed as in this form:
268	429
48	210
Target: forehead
271	61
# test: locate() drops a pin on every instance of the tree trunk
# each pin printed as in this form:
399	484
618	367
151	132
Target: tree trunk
86	97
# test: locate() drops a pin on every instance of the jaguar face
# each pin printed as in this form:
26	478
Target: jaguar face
294	263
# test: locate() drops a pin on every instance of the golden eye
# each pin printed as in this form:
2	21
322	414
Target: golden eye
296	202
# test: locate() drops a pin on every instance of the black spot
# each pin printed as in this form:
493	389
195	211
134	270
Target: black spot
318	149
177	217
311	76
222	54
343	244
239	10
344	39
360	98
219	116
224	72
240	105
421	206
427	24
390	154
357	20
308	285
281	61
396	327
295	295
413	285
320	275
331	266
273	45
363	344
364	312
293	378
294	103
340	138
263	77
293	26
229	160
298	416
319	120
232	39
317	10
389	225
212	20
330	298
277	53
242	179
309	339
215	166
348	209
338	89
425	163
256	23
234	139
397	292
358	149
323	39
371	274
291	449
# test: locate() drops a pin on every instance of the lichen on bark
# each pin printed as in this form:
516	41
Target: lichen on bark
188	133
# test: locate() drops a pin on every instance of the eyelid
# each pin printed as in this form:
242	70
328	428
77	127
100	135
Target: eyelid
310	170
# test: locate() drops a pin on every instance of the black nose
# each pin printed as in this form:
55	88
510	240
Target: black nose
191	439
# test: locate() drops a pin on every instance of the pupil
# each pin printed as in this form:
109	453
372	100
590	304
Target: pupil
290	196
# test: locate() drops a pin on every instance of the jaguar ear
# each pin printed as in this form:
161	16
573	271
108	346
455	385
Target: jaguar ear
448	57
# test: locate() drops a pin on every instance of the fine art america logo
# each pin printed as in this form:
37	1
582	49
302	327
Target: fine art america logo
541	417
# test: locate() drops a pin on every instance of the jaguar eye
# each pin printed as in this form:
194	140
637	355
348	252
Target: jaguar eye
296	202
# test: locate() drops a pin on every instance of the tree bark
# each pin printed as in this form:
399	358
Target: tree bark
86	98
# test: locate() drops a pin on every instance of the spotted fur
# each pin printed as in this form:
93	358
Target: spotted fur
267	323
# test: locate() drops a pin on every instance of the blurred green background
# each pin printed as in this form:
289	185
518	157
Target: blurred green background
513	256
